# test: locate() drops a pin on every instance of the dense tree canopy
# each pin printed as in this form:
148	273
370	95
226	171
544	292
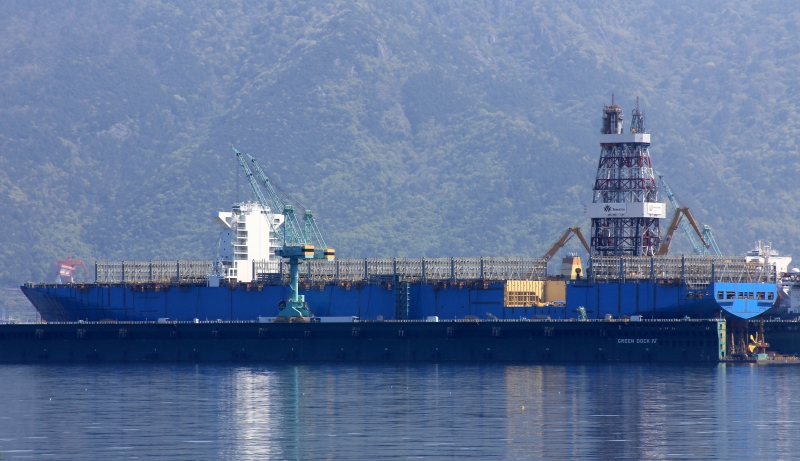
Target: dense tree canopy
414	128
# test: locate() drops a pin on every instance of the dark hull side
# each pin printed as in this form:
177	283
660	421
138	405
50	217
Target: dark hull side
463	341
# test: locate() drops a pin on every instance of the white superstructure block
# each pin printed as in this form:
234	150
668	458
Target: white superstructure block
246	237
627	210
629	138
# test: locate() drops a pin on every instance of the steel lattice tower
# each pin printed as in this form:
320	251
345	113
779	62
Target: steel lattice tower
625	210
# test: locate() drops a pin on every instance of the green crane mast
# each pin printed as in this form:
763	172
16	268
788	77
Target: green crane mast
307	233
697	247
298	242
712	242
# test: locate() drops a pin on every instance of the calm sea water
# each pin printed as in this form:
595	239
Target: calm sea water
399	412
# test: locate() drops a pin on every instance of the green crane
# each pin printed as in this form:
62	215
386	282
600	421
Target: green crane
299	242
698	248
709	238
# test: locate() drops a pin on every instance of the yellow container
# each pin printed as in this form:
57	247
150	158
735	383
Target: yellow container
523	293
555	290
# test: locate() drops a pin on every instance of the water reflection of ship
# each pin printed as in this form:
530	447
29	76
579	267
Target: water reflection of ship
257	404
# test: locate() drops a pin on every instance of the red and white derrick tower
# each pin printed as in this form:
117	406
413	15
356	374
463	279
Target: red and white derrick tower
625	210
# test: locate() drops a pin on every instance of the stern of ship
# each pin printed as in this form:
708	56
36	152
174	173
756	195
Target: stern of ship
744	300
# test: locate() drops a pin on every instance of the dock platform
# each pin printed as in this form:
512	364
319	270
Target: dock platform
502	341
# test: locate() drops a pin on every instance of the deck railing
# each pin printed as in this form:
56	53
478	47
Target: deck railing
696	271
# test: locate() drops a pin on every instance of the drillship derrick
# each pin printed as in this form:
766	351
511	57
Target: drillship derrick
625	210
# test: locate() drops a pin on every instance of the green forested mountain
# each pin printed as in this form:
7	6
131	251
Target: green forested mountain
413	128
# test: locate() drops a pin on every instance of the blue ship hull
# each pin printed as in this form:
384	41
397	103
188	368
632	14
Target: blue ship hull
670	299
247	302
187	302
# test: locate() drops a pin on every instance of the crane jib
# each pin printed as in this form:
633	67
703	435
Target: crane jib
298	241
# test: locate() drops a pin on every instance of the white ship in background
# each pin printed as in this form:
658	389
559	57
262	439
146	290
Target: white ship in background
788	305
790	283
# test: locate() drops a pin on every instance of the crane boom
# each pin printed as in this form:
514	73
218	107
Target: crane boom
697	248
308	233
563	241
254	186
276	201
676	220
291	226
298	242
312	232
709	237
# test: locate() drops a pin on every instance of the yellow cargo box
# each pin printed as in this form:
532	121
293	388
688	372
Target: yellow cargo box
555	290
523	293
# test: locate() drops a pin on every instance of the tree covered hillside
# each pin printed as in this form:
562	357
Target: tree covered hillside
415	128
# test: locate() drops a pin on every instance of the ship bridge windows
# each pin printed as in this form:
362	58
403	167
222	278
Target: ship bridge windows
758	295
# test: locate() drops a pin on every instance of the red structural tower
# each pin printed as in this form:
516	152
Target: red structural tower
67	267
625	210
